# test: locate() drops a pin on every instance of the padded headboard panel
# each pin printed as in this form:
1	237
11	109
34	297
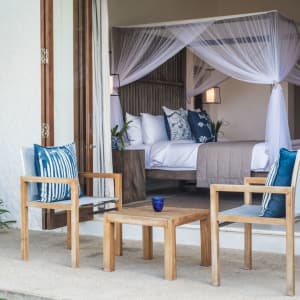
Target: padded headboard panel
165	86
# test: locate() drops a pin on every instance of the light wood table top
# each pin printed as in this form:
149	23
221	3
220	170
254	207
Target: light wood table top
145	214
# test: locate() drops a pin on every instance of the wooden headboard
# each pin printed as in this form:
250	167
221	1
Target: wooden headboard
165	86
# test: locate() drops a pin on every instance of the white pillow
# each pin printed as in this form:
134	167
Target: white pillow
153	129
134	131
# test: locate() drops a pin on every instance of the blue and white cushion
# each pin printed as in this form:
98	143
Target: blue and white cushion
177	124
57	162
201	126
269	182
281	173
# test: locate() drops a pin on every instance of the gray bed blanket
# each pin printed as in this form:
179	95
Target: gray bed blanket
224	162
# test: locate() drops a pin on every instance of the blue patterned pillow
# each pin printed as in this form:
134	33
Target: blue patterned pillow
273	205
177	124
201	126
55	162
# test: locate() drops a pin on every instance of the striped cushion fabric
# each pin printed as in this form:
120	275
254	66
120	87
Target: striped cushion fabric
280	175
269	182
55	162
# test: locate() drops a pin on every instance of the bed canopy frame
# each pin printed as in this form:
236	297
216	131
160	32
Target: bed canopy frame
262	48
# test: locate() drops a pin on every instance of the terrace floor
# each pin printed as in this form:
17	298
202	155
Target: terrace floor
48	275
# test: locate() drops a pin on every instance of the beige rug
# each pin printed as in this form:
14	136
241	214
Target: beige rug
48	272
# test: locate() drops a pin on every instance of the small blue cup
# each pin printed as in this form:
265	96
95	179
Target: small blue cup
158	203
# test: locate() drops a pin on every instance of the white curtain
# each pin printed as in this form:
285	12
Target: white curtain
138	51
203	77
258	49
102	158
294	76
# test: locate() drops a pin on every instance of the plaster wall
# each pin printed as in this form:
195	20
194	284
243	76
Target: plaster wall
63	71
129	12
20	96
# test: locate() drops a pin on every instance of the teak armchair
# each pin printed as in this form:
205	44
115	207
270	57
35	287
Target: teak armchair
30	198
249	214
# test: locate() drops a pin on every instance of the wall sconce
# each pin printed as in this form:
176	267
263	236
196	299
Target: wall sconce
212	96
114	81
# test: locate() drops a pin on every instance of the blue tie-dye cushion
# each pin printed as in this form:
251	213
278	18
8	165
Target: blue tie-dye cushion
273	205
201	126
57	162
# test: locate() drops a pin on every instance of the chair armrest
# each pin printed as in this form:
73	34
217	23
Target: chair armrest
73	182
250	189
255	180
99	175
38	179
117	177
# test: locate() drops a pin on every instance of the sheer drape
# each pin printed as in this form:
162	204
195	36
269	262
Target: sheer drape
294	76
102	159
203	77
139	51
258	49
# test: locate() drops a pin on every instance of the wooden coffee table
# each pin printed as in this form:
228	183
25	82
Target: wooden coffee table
169	218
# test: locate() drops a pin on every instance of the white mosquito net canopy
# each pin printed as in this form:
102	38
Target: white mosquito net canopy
261	48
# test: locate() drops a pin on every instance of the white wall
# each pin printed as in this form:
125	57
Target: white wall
63	71
129	12
20	95
244	107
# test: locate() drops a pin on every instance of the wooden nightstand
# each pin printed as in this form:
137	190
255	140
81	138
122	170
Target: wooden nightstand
131	163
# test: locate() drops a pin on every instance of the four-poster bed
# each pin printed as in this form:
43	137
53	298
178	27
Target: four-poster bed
261	48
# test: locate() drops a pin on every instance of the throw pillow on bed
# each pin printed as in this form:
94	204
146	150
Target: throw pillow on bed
134	131
177	124
201	126
153	128
281	172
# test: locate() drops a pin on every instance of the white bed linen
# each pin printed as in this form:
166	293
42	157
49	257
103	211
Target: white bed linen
182	155
174	154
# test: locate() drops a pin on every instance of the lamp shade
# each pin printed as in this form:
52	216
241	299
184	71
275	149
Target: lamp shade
212	96
114	83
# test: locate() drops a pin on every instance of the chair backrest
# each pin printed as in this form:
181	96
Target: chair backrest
296	184
28	169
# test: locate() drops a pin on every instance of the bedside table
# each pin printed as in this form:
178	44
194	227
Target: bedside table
131	163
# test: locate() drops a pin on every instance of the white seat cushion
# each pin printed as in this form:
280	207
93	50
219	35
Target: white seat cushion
244	210
88	200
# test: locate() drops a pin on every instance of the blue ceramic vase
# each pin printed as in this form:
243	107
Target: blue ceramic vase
158	203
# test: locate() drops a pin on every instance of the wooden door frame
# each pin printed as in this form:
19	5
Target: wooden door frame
83	88
83	97
47	74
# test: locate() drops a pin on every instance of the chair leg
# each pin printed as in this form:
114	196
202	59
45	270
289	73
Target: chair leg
118	240
24	231
205	242
248	247
75	237
69	230
215	255
290	259
24	221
